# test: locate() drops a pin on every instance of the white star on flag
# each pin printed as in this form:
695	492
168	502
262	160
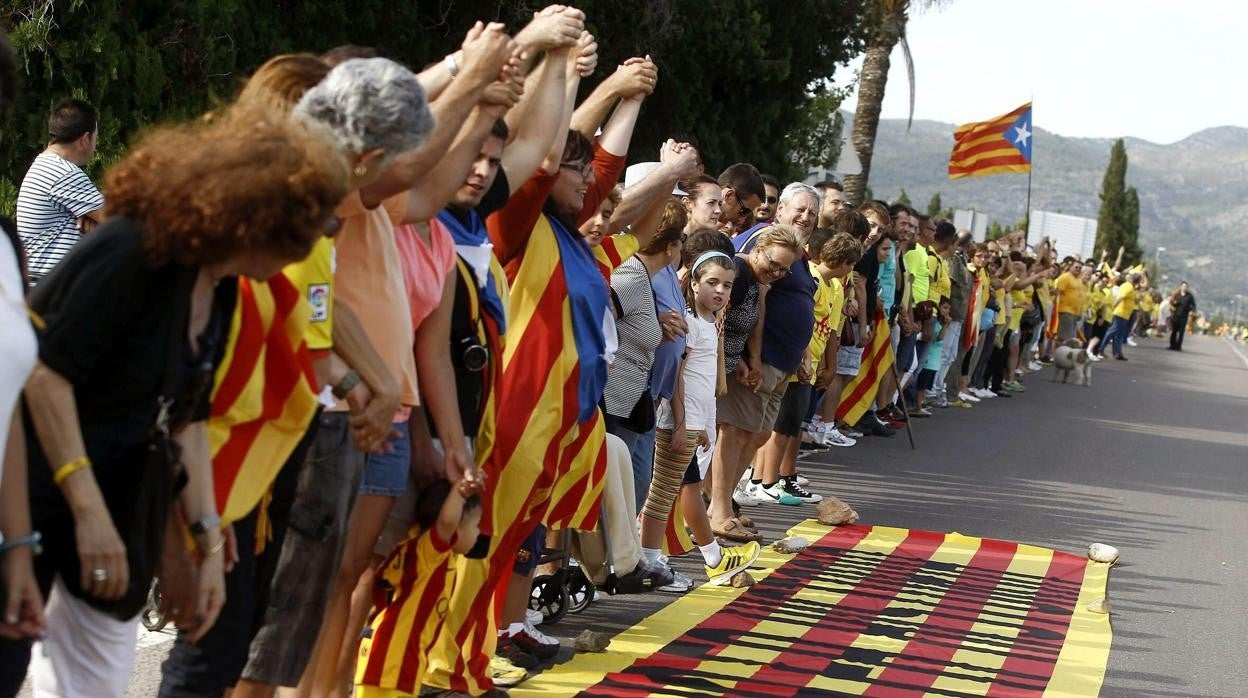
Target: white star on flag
1023	134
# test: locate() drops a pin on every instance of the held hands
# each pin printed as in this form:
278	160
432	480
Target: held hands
635	78
681	157
556	26
673	325
583	59
371	417
23	608
471	482
487	50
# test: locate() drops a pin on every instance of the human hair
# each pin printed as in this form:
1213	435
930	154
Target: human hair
779	235
282	81
431	499
880	209
945	232
830	184
847	220
770	180
690	185
814	245
965	239
369	104
71	120
793	189
206	191
500	130
671	228
346	52
744	179
616	195
577	148
897	208
702	241
842	249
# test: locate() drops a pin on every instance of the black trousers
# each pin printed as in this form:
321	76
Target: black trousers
999	362
1178	328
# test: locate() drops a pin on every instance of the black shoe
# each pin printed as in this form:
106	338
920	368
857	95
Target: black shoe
1002	393
644	578
531	645
512	652
870	424
1120	357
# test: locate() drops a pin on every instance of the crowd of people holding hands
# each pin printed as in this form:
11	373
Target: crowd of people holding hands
336	363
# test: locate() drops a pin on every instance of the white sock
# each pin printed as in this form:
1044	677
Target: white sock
651	554
711	553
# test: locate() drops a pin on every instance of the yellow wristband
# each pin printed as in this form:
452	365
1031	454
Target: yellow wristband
70	468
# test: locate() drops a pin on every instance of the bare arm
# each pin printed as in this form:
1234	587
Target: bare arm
485	53
643	202
580	59
535	122
352	344
437	380
23	609
636	77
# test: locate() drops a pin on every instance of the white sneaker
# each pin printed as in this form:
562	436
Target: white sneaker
833	437
967	397
750	496
1098	358
983	393
537	634
1035	366
680	583
533	618
1131	342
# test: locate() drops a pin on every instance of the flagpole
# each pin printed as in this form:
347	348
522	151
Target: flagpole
1027	210
1030	167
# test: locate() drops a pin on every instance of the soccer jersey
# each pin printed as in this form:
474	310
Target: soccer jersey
313	277
410	604
829	308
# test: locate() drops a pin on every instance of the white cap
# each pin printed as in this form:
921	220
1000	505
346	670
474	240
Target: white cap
635	173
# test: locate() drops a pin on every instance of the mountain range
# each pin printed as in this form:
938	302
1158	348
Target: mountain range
1193	193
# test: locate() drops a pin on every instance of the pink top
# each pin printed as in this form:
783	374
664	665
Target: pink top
425	266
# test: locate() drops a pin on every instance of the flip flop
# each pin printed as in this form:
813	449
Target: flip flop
734	531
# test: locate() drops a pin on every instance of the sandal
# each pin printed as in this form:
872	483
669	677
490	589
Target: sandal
734	531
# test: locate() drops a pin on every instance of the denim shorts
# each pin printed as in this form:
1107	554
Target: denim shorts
385	474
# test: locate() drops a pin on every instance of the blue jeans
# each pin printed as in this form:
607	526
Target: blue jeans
643	471
1117	334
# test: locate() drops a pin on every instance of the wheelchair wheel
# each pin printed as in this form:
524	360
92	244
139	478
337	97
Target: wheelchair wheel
580	591
549	597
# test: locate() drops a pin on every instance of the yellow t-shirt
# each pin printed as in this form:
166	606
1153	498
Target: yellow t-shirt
314	278
981	296
999	319
944	282
829	312
1071	292
1146	303
1126	300
1018	297
916	265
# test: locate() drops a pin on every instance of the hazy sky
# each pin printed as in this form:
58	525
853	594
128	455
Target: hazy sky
1155	69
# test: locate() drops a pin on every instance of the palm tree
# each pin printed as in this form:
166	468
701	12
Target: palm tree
886	22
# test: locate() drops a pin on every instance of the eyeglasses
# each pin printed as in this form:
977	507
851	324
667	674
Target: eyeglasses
584	169
775	267
771	199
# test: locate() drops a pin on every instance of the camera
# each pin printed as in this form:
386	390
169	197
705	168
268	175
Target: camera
473	355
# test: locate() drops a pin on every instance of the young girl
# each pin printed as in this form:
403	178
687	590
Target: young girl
687	421
412	589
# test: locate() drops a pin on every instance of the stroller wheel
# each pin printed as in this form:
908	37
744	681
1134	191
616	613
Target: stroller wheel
549	597
580	591
151	616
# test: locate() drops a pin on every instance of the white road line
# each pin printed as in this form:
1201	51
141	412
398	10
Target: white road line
1235	349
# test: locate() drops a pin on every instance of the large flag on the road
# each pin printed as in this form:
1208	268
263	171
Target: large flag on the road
996	146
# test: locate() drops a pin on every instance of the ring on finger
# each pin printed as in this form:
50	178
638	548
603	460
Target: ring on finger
99	574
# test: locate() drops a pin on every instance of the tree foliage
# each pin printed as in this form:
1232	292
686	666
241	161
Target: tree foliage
904	198
736	75
1118	223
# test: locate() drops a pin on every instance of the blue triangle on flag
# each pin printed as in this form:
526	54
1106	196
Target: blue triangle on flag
1019	134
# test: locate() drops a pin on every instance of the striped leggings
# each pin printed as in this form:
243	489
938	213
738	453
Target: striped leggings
671	460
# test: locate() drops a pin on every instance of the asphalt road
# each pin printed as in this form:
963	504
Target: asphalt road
1152	459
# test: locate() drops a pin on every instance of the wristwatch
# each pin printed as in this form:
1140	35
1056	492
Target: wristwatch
344	386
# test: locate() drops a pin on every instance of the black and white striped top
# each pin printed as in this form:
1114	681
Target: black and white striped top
640	335
54	195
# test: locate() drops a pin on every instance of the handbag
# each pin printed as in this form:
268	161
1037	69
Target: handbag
642	419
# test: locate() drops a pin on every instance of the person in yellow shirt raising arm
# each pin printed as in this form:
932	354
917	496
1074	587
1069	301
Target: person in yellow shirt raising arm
1124	307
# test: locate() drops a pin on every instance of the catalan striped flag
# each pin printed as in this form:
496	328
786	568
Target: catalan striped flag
1050	325
264	393
859	393
996	146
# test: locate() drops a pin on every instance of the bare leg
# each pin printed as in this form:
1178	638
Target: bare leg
732	447
694	509
361	603
517	599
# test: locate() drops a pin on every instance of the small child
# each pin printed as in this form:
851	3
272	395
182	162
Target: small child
413	588
927	377
687	421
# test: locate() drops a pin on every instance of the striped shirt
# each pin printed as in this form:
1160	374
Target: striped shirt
54	195
640	335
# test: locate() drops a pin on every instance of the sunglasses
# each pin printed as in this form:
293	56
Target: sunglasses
771	199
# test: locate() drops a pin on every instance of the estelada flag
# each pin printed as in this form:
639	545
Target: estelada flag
264	395
877	358
996	146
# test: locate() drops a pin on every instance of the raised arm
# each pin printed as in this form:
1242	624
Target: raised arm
536	120
635	76
486	51
643	202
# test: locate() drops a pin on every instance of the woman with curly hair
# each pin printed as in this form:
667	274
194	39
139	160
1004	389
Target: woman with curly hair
135	321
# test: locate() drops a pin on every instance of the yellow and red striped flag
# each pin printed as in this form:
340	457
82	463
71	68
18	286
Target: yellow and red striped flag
264	395
996	146
859	393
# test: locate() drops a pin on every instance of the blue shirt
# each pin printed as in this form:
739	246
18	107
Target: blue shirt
888	283
667	296
789	317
